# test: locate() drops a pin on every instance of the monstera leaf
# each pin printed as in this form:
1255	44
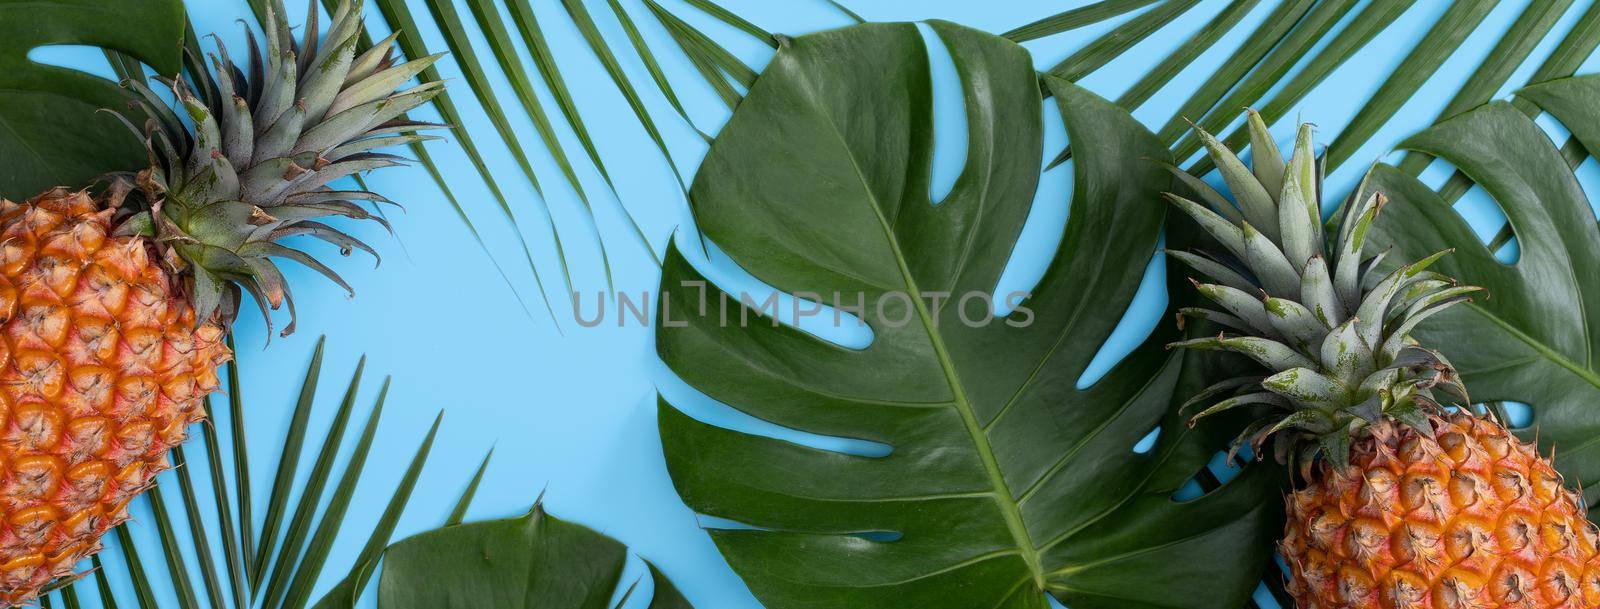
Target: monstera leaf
51	130
534	561
1004	481
1534	338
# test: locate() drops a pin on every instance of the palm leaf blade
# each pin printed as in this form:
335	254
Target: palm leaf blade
173	556
1117	41
288	463
459	512
1317	22
311	493
1442	39
197	530
1513	49
1259	42
1075	18
328	530
399	16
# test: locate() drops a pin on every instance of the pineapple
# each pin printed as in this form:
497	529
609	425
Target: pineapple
1403	502
113	306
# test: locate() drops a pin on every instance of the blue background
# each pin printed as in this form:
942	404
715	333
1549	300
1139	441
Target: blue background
572	411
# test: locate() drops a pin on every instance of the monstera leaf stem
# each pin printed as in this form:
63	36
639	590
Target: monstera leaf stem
1009	509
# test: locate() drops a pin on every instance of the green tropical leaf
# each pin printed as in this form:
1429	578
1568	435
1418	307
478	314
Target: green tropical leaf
52	130
535	561
1005	482
1532	339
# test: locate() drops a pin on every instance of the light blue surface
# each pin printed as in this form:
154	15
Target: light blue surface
575	414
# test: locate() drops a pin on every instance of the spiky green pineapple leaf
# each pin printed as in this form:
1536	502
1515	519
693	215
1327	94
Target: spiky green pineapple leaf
52	132
1533	337
1005	483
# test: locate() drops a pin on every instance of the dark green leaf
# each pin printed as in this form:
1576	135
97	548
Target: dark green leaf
1271	69
425	159
102	584
449	21
52	132
650	63
667	595
703	53
136	572
728	17
333	516
494	29
1571	52
535	561
1233	69
847	12
241	467
1573	49
602	51
1005	482
1181	57
170	551
533	36
219	491
69	598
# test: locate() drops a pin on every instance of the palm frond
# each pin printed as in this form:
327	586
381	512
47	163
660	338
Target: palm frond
292	554
459	514
714	62
425	159
410	42
1114	43
1446	36
1075	18
288	464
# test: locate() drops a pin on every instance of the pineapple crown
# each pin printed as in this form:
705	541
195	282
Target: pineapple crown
252	164
1303	301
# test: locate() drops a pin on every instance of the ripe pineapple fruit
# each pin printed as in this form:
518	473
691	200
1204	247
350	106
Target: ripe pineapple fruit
1404	503
113	307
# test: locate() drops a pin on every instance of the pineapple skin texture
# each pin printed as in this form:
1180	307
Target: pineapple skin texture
102	369
1476	519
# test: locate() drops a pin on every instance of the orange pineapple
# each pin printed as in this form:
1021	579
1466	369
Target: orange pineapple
1405	502
113	307
1469	518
